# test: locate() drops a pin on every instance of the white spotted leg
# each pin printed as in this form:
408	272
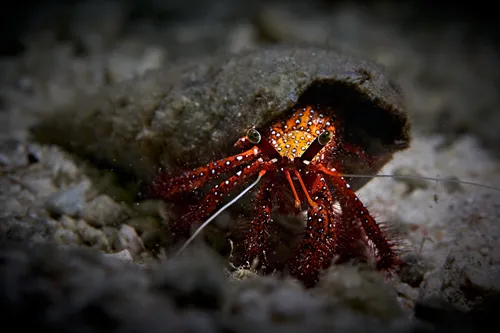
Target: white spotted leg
257	237
353	208
219	192
318	247
165	186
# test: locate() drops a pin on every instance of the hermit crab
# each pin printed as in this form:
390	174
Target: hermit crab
302	118
301	157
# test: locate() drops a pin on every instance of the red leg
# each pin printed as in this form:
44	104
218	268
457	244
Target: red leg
319	245
352	207
166	187
257	238
212	200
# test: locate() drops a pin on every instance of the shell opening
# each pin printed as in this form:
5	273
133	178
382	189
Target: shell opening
368	123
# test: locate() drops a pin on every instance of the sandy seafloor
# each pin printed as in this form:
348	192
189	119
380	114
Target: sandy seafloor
451	232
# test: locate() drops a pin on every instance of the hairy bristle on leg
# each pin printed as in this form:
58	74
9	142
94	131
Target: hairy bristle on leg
257	238
387	259
164	186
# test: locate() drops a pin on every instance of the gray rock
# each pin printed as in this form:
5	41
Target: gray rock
102	210
267	304
183	294
144	223
194	279
413	272
68	201
267	300
92	236
127	239
462	282
67	223
123	255
361	290
28	229
67	237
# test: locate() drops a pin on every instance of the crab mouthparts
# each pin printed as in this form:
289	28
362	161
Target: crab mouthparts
302	185
305	159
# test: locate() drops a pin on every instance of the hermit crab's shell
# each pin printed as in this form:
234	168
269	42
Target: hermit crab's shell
192	113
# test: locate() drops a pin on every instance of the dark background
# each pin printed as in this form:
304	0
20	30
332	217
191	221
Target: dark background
445	55
21	17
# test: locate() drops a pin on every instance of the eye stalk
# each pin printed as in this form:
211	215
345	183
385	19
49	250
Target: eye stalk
254	136
324	138
318	144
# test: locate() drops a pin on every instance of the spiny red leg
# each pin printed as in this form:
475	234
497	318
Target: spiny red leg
350	239
387	259
317	249
257	237
218	193
166	187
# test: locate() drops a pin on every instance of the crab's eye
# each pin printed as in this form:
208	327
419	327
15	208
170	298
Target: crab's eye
324	138
253	136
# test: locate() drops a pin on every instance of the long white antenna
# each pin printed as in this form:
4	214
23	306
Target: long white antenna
451	180
200	229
